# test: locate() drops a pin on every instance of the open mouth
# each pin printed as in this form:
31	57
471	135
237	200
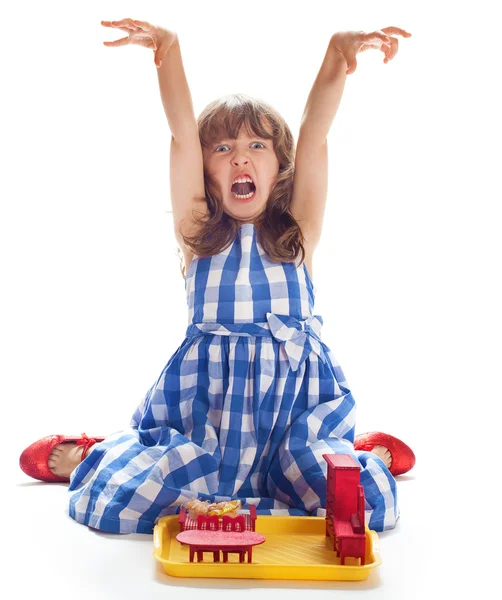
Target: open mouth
243	191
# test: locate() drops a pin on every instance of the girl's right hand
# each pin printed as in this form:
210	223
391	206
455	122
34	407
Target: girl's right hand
143	34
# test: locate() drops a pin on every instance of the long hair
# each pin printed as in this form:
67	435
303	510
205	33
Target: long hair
277	230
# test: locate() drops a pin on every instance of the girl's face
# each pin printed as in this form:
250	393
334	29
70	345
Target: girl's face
225	159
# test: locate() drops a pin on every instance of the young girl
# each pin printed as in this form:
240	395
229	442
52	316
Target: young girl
252	399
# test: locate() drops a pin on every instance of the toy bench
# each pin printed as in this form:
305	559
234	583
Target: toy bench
243	522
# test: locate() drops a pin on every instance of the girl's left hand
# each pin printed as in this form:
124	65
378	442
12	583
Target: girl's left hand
349	43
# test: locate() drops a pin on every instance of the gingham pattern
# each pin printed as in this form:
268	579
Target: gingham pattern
245	408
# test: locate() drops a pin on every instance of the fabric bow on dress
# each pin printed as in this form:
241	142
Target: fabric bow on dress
299	337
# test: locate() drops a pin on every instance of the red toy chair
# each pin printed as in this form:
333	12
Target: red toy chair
212	523
251	518
208	523
186	522
357	519
234	524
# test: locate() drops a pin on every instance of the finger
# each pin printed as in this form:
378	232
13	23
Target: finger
393	50
130	23
126	28
121	42
143	25
115	26
396	31
123	21
127	24
378	36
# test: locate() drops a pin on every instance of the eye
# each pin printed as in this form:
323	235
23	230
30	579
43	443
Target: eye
225	146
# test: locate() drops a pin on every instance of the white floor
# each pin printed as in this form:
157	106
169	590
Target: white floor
50	552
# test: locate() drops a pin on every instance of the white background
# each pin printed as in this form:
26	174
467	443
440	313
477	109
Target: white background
408	269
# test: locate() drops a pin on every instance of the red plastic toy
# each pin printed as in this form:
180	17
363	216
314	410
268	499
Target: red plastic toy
212	534
344	520
186	522
345	507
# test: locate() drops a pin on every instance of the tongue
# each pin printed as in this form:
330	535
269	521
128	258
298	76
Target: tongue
243	188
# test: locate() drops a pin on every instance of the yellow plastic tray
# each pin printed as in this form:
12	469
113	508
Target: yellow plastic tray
295	548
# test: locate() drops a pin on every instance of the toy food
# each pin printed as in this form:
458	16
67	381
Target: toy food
198	507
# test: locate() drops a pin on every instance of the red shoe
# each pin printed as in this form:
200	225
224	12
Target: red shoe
34	459
403	459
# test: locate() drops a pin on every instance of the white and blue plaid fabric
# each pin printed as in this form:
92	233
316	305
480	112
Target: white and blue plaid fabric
245	408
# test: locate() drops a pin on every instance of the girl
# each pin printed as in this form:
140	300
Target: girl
251	400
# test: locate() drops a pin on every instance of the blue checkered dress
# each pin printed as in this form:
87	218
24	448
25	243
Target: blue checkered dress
245	408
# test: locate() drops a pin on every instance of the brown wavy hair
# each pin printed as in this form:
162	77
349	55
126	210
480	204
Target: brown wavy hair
278	232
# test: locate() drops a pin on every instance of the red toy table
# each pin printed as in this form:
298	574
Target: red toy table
213	541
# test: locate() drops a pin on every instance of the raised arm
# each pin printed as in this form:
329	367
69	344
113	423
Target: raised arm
174	89
310	186
311	164
340	60
175	93
186	159
325	96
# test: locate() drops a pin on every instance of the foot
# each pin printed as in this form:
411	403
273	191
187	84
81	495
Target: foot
383	453
65	458
402	456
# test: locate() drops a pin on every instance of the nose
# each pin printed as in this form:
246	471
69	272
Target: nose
239	157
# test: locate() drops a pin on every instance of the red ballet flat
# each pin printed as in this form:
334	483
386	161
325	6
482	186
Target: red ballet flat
34	459
403	458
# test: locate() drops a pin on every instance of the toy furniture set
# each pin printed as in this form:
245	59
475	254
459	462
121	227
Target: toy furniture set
245	522
212	534
337	547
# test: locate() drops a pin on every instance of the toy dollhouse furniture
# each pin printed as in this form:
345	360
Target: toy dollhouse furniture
345	507
214	534
214	541
234	524
186	522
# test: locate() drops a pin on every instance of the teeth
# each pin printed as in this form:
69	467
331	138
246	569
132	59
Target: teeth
242	180
243	197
